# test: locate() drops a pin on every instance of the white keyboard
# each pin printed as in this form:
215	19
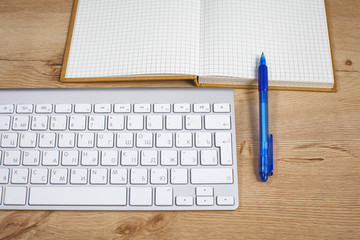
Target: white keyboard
118	149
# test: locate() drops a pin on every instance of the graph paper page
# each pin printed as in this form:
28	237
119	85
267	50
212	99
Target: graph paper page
127	37
292	34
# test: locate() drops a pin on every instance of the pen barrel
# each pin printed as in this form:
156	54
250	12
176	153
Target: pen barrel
264	132
264	122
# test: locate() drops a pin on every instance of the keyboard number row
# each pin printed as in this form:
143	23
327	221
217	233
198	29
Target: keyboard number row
114	122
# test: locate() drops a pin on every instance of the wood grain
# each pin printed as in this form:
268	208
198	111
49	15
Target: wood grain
314	193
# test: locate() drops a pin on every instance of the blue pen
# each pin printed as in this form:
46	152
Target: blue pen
266	140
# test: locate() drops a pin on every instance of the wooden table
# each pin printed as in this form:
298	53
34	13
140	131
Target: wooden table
314	193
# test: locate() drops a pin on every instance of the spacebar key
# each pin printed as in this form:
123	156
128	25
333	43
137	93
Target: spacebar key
78	196
211	175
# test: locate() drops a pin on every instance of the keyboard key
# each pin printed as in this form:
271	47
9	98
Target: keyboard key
142	108
4	175
173	122
50	158
161	108
43	108
184	201
223	140
129	158
140	196
149	158
19	176
39	176
78	196
154	122
211	175
39	122
6	108
28	140
204	201
164	140
15	196
204	191
12	158
118	176
24	108
163	196
4	122
109	158
217	122
169	158
96	122
105	140
20	123
102	108
122	108
188	157
179	176
158	176
144	140
208	157
202	107
89	158
125	140
193	122
70	158
63	108
58	176
9	140
183	139
203	139
86	140
77	122
138	176
98	176
58	123
116	122
0	194
78	176
135	122
83	108
47	140
31	158
66	140
181	107
225	200
221	107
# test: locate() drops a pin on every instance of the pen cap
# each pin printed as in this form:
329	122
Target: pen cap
263	78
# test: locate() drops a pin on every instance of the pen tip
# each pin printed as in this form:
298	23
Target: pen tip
262	54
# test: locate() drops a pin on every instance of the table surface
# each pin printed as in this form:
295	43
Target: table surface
314	193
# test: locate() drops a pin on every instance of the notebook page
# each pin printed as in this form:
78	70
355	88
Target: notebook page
126	37
292	34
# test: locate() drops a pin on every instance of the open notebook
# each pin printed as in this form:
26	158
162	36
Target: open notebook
214	42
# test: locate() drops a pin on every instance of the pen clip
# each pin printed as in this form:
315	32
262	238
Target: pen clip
270	155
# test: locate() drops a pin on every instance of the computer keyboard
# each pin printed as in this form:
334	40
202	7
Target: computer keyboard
118	149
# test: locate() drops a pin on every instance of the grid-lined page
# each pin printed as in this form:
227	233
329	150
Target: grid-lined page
293	35
127	37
